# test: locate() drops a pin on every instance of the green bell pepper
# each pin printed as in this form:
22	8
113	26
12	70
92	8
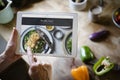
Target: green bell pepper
102	66
86	54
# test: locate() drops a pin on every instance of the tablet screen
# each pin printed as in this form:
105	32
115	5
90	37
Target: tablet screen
51	34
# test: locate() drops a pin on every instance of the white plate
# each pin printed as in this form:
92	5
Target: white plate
47	49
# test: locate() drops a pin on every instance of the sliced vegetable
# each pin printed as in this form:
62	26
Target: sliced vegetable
80	73
99	36
33	40
86	54
69	45
103	66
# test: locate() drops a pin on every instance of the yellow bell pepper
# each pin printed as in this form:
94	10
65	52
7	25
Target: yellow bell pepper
80	73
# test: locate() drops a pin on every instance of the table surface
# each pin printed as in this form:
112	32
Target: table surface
109	47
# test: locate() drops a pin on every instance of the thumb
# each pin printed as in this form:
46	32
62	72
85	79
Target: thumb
13	37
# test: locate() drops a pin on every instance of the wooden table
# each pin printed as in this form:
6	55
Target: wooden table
109	47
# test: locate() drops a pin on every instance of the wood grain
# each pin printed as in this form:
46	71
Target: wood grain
110	47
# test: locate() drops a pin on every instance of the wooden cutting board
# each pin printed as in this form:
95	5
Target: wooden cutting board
109	47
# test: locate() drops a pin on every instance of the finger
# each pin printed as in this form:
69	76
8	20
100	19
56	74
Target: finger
16	57
30	56
13	39
48	66
12	43
14	35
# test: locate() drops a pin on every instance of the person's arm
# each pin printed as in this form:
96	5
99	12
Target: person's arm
8	56
3	62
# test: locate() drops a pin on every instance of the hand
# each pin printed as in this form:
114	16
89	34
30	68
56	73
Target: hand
37	70
10	51
8	56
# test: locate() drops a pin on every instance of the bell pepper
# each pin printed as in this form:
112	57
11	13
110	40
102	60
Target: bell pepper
80	73
86	54
102	66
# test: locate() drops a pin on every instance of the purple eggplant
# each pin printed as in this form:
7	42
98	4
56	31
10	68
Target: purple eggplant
99	36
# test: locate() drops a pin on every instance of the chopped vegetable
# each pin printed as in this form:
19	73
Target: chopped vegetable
86	54
33	40
69	45
99	36
103	66
80	73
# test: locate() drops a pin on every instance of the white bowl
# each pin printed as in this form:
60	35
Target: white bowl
94	12
77	5
115	18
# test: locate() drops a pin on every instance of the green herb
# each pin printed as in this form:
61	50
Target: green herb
69	45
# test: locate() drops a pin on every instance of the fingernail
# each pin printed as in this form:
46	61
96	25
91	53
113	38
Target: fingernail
14	28
28	48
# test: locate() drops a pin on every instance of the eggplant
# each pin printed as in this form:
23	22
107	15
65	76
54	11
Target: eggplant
99	36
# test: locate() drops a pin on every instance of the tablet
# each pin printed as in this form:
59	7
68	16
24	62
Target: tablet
48	34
